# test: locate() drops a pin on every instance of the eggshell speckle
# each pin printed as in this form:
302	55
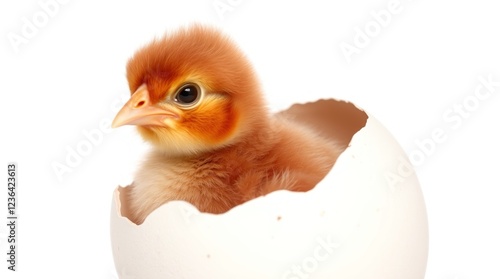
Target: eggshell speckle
353	224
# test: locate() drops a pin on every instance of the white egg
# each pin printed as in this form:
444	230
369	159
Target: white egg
365	220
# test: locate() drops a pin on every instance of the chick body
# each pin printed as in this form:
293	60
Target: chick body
283	156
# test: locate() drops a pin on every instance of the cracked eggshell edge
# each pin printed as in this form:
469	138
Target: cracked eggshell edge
354	224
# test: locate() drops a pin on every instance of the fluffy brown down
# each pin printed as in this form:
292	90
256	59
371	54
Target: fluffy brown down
228	149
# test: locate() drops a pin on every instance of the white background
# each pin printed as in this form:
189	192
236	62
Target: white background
69	76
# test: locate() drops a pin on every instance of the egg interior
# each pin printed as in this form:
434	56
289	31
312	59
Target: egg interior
354	224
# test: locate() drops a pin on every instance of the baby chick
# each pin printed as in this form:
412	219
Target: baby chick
197	100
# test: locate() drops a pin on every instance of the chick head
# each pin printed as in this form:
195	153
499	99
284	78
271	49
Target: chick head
192	91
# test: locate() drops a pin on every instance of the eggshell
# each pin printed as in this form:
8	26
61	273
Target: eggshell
353	224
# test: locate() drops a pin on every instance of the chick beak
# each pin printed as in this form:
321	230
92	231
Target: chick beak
140	111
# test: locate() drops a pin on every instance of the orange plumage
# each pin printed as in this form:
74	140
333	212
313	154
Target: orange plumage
197	100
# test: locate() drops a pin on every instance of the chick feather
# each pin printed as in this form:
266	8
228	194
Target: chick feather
197	100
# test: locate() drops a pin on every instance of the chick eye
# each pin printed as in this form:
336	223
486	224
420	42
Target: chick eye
187	95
